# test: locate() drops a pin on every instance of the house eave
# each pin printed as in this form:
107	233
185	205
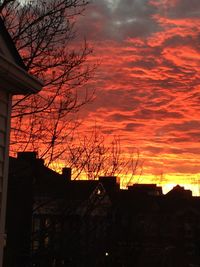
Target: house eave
16	80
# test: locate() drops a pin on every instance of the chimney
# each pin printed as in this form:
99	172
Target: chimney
29	156
66	173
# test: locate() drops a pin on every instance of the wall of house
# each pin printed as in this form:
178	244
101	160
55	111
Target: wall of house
5	103
3	131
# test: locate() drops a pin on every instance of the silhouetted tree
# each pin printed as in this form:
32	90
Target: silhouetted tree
45	36
93	155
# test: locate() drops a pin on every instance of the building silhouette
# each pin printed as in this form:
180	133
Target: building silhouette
62	222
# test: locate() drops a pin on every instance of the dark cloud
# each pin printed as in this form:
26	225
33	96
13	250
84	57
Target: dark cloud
185	9
184	126
183	167
176	151
180	41
118	20
132	126
119	117
150	114
124	100
154	149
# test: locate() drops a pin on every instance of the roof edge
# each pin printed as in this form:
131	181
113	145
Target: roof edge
13	50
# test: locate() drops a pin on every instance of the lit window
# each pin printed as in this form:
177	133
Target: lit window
46	241
36	224
35	244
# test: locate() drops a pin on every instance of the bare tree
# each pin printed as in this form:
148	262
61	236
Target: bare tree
45	35
94	155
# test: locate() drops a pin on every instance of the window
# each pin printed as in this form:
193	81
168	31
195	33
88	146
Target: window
35	245
46	241
36	224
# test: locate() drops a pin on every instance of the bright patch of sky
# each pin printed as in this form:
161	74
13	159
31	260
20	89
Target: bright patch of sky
112	4
125	21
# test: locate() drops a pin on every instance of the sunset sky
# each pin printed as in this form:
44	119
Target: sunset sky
148	82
